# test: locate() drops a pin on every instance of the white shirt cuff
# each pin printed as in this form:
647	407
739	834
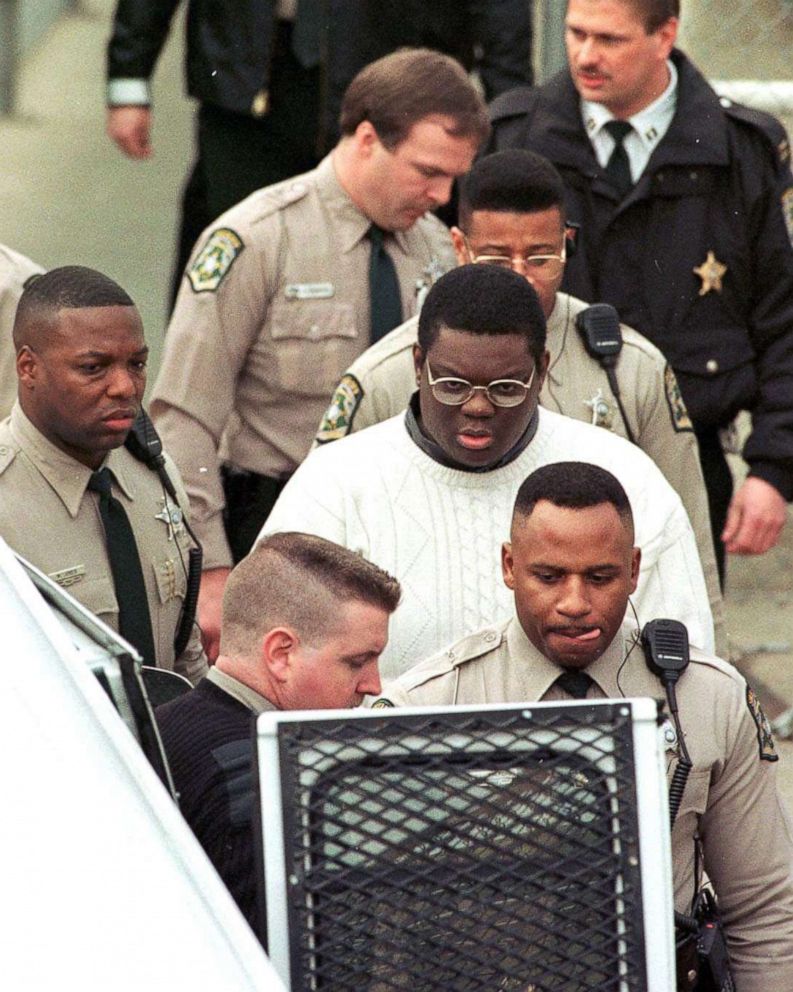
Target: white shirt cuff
128	91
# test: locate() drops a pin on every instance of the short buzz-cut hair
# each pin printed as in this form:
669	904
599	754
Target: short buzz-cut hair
70	287
395	92
654	13
574	486
483	299
514	180
299	581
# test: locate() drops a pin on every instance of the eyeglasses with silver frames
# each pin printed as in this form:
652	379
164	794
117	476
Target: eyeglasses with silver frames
501	392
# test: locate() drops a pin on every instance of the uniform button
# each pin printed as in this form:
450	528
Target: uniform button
298	188
693	175
712	366
314	329
490	636
725	101
450	655
3	449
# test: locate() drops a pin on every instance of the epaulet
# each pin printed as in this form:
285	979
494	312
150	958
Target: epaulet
513	103
701	659
467	649
771	129
280	196
7	454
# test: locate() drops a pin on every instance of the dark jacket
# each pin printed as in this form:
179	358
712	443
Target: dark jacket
228	46
713	184
229	43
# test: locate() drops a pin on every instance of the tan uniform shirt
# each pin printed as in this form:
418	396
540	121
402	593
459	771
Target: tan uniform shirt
50	518
379	384
273	308
731	796
15	270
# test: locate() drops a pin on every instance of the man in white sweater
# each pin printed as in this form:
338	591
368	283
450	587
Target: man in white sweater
428	494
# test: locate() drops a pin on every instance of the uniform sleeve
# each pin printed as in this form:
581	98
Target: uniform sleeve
140	29
769	448
192	662
748	845
665	435
206	346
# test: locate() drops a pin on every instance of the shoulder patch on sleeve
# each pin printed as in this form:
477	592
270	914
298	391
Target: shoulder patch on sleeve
765	738
677	407
213	262
339	415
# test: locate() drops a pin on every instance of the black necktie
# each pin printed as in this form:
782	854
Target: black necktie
574	683
618	168
384	296
307	32
134	622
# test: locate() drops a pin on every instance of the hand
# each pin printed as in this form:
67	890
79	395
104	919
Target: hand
130	128
210	599
755	518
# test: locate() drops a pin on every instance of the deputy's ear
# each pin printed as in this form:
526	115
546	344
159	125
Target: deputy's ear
636	564
27	366
507	565
278	648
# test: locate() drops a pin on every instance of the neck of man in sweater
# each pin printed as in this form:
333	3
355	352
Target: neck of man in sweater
419	436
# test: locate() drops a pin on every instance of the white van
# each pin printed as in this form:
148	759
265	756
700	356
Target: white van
104	887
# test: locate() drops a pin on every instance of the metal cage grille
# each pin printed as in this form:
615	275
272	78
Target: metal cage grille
465	852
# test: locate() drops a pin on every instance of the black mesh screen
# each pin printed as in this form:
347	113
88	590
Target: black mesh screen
464	852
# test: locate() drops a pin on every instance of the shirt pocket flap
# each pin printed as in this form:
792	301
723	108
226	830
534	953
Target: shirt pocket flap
312	320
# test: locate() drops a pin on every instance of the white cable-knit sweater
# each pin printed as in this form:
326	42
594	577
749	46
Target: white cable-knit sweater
440	530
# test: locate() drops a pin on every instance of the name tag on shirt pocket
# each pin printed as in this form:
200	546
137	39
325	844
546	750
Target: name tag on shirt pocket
309	291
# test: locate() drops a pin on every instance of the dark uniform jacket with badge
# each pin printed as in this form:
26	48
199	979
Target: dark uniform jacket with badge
710	193
731	798
49	517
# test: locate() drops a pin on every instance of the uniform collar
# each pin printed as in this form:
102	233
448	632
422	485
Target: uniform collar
240	691
697	134
539	674
650	124
67	477
353	224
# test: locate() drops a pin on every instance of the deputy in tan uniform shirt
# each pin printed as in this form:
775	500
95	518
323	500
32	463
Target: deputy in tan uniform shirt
276	301
81	367
572	566
511	209
15	270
